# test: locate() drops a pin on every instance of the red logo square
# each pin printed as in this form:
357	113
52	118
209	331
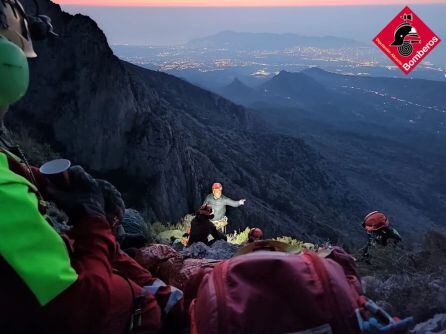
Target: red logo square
406	40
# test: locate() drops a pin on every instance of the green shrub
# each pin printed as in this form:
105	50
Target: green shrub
297	245
35	149
238	238
164	232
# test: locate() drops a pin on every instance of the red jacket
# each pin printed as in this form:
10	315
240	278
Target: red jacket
169	298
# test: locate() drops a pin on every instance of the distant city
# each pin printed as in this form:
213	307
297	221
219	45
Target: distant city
215	61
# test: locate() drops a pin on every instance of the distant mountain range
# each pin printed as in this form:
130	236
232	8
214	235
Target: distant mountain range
386	136
285	89
416	104
268	41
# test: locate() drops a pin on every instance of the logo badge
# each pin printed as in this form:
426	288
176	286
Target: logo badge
406	40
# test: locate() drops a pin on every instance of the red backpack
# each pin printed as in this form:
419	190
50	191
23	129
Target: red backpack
276	292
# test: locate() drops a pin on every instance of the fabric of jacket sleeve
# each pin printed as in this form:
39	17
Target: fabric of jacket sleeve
94	246
88	299
132	269
231	202
31	247
40	180
32	173
99	298
169	298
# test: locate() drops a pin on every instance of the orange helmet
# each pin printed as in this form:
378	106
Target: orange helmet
375	221
255	234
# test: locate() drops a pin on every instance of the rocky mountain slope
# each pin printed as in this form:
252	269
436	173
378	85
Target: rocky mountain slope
385	136
163	141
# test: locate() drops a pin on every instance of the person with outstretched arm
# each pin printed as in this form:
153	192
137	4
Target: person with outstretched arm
218	202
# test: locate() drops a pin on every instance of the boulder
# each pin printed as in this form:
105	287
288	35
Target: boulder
436	325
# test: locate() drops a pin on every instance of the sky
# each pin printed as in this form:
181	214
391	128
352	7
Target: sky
240	3
177	25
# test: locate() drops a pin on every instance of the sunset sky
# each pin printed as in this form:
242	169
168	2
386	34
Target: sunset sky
159	22
241	3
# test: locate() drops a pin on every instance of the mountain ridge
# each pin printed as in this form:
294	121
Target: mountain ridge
268	41
371	129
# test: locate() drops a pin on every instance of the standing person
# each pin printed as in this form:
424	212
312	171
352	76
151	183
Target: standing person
202	226
218	202
45	285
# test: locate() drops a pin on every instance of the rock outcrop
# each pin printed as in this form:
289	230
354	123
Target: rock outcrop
436	325
220	250
413	281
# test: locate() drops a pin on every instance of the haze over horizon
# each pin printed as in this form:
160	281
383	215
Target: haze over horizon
243	3
178	25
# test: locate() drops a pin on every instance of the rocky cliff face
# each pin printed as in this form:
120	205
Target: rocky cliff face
163	141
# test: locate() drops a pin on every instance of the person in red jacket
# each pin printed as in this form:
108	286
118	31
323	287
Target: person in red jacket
169	298
45	285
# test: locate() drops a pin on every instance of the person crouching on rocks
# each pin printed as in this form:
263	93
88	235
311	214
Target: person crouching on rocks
379	232
202	227
255	234
218	203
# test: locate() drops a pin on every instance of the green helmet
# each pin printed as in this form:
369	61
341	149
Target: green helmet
15	47
14	73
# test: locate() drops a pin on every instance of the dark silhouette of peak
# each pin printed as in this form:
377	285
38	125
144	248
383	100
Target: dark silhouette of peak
236	83
291	77
238	92
417	91
283	73
268	41
291	86
285	88
315	71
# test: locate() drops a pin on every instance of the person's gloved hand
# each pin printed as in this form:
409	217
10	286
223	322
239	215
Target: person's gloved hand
81	198
114	205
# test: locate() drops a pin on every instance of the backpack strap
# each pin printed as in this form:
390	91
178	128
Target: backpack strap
330	298
135	320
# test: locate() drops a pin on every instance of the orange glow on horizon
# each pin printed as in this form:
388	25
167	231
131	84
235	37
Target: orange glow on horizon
240	3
